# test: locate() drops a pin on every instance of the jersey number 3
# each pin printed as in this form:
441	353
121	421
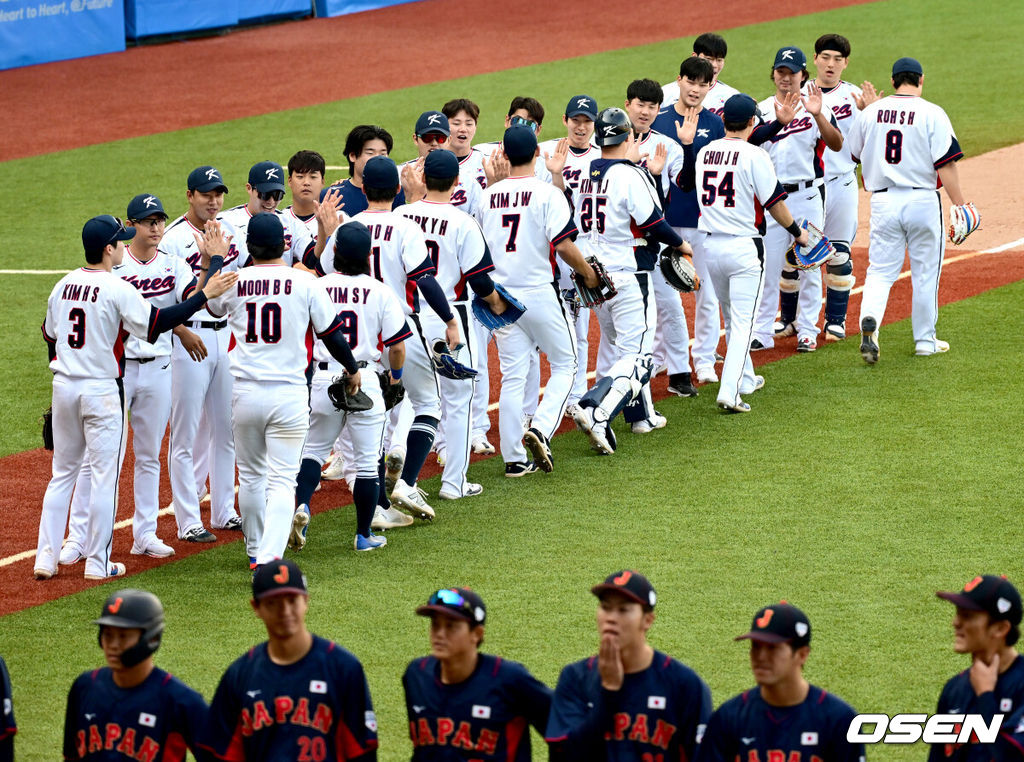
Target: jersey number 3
725	189
76	337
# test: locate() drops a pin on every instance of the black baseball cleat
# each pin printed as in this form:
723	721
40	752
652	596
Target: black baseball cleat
868	341
514	470
681	384
539	447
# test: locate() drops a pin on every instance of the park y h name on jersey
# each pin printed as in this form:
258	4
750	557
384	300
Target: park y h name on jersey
735	184
163	281
797	151
370	314
683	210
842	99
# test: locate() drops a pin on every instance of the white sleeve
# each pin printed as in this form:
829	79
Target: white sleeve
673	165
183	276
301	238
557	214
471	246
50	321
237	244
322	311
855	140
762	173
135	310
940	134
392	317
327	255
641	201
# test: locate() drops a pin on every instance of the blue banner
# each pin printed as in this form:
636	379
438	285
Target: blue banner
37	31
149	18
341	7
253	10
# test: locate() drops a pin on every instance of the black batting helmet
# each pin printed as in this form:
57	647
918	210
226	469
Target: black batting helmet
612	127
135	610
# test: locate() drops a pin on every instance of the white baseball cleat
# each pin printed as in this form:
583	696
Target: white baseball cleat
43	574
154	547
597	432
482	447
783	330
115	570
389	518
924	350
70	554
739	407
758	384
393	465
707	376
835	332
410	499
647	425
300	525
869	340
470	490
335	471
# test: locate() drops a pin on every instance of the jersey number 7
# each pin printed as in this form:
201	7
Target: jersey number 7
725	189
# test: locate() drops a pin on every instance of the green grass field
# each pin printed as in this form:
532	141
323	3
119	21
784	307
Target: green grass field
854	492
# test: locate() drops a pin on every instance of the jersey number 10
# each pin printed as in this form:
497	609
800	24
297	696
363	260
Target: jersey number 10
269	323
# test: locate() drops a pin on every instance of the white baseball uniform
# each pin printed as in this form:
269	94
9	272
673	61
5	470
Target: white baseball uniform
718	94
297	238
539	169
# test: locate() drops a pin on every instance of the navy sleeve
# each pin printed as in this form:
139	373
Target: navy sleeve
402	335
953	154
569	231
765	132
534	699
698	696
715	745
481	284
575	731
8	727
777	195
435	297
165	319
223	733
51	343
356	737
688	177
70	713
335	342
937	752
656	229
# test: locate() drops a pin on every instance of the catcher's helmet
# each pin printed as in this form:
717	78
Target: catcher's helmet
612	127
135	609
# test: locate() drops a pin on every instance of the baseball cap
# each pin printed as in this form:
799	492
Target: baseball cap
205	179
791	58
267	176
352	241
278	578
629	583
990	593
520	144
441	163
380	172
265	229
458	602
103	230
779	623
911	65
581	105
739	108
145	205
432	121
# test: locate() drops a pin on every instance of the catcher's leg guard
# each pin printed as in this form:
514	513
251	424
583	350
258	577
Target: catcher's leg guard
839	280
617	394
640	407
789	287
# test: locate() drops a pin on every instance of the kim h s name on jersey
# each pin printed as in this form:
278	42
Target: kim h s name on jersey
76	292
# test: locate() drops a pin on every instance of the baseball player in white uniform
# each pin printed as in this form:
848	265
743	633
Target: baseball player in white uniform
526	221
306	170
270	311
87	316
905	144
796	151
735	183
433	133
713	49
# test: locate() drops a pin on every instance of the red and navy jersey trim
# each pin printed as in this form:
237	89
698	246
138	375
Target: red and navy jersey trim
570	231
953	154
402	335
777	195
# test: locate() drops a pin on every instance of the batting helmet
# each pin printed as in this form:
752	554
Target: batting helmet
134	610
612	127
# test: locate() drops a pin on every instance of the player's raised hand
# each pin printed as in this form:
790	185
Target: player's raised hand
219	284
326	211
983	676
656	163
497	166
555	162
868	95
633	149
686	130
609	663
212	242
413	182
812	101
785	109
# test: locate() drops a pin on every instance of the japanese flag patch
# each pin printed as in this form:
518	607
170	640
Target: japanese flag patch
808	739
482	712
317	686
370	719
149	720
1005	705
655	702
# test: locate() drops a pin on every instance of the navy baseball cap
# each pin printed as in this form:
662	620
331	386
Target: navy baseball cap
739	108
780	623
279	577
145	205
520	144
990	593
267	176
265	229
352	241
205	179
380	172
791	58
103	230
441	163
631	584
458	602
909	65
582	105
432	121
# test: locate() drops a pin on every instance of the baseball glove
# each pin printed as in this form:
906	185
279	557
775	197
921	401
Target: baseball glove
393	393
48	429
482	310
679	271
346	402
605	289
446	362
817	251
963	220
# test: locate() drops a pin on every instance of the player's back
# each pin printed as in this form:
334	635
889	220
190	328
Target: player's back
735	183
454	242
370	315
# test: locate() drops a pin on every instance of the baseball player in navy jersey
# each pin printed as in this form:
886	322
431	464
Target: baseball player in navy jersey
270	312
526	221
986	626
8	726
713	49
905	144
88	314
132	709
797	153
371	316
630	702
467	705
1010	744
295	696
784	717
363	142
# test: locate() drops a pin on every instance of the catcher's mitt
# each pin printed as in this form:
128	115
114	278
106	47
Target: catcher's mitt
48	429
605	289
447	362
817	251
393	393
482	310
679	271
963	220
345	401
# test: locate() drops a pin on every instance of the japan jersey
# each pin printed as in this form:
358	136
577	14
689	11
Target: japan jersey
577	164
683	210
455	243
270	311
156	719
523	219
296	235
842	99
617	201
8	727
540	171
797	150
471	168
735	184
315	709
370	314
746	727
398	254
179	241
485	717
1010	745
88	316
658	714
163	281
901	141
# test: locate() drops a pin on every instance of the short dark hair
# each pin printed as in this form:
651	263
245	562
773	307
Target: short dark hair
440	183
260	252
94	257
530	105
710	44
736	126
350	266
1013	635
454	106
306	161
906	78
697	69
380	194
834	42
804	76
645	90
359	136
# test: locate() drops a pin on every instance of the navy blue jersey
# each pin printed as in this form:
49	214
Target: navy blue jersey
749	729
683	209
354	199
485	717
658	715
958	697
315	709
156	720
7	725
1010	745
